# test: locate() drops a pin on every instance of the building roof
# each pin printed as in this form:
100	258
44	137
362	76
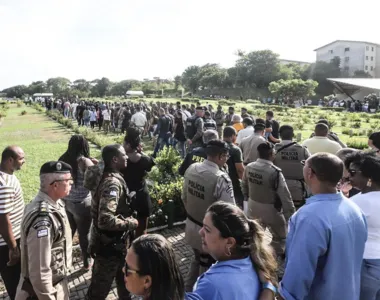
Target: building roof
294	61
362	42
351	84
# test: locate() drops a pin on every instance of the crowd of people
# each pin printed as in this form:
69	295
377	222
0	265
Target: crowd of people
242	176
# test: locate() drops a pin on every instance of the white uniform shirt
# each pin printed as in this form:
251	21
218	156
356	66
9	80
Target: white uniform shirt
246	132
139	119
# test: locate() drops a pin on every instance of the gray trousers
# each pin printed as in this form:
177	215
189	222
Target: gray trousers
200	264
269	217
79	215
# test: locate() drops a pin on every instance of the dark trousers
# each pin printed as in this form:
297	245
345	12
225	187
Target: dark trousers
104	271
10	275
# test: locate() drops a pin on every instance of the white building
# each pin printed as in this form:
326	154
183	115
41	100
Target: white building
297	62
354	56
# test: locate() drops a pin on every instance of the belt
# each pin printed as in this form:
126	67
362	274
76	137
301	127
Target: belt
194	221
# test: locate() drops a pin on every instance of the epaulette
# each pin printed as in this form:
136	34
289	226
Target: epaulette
43	209
276	168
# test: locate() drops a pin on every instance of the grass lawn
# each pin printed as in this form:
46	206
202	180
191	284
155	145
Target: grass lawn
41	139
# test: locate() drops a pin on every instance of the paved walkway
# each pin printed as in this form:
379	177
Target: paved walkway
79	280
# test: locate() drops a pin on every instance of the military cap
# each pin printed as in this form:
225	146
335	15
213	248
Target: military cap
55	167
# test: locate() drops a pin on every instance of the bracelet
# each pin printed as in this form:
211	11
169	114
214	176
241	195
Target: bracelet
270	286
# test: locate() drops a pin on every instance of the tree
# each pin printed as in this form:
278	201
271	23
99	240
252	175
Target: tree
212	75
37	87
190	78
101	87
177	82
240	54
59	86
321	71
361	74
293	89
17	91
259	68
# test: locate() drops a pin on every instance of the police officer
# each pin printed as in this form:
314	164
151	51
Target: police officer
228	118
46	237
204	184
209	123
268	196
198	154
112	223
194	129
249	144
289	155
219	120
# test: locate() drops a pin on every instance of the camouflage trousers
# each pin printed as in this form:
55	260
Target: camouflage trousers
104	271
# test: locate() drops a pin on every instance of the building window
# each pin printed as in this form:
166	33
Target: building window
367	48
347	59
373	49
371	58
366	68
331	51
366	58
347	49
371	68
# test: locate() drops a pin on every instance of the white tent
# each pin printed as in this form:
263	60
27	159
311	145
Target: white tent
135	93
356	88
43	95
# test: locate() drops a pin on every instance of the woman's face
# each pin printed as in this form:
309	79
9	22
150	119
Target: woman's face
134	282
212	242
356	177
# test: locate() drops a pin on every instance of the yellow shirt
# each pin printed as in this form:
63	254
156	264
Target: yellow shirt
321	144
238	126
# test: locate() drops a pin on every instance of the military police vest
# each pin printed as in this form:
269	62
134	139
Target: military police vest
288	159
263	183
200	187
191	129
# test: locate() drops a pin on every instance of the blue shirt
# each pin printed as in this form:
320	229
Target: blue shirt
324	250
228	280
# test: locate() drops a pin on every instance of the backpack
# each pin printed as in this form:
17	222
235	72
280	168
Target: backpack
191	130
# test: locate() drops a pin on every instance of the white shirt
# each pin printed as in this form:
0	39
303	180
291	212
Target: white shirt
106	115
246	132
318	144
369	203
139	119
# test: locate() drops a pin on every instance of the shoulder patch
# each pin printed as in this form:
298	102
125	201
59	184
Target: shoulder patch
42	233
41	224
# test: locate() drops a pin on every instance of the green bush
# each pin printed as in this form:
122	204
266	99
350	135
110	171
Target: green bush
357	144
375	125
19	103
343	123
24	112
356	124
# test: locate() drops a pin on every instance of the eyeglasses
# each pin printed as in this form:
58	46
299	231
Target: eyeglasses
128	270
66	180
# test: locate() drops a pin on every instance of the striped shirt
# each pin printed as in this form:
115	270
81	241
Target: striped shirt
12	202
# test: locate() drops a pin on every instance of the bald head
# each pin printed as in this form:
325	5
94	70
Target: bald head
321	129
12	159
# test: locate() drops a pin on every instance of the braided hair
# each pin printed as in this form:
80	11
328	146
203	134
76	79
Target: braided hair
78	146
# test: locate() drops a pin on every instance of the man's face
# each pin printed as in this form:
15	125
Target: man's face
121	159
63	187
231	111
19	161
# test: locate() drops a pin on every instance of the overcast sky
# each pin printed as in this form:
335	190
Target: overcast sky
124	39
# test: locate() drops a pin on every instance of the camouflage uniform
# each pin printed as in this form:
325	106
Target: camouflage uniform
110	211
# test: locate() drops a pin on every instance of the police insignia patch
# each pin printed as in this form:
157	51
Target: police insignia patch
59	166
41	233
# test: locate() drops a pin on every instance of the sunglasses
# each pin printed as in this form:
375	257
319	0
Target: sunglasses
353	172
60	180
128	270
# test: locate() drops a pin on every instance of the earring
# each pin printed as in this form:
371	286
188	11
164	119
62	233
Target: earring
369	183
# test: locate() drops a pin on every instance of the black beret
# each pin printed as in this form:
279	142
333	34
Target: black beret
55	167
